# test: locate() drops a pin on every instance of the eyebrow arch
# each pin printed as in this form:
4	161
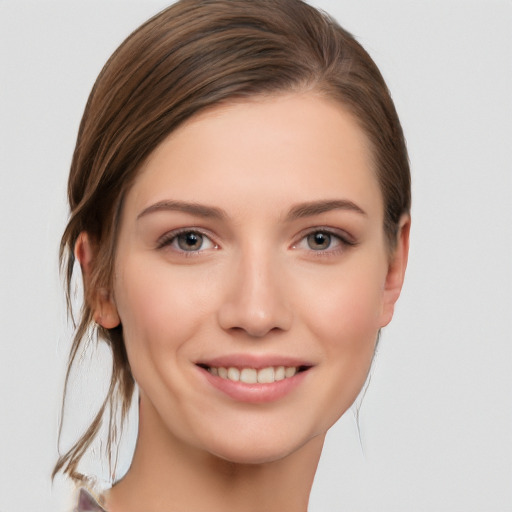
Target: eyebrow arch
317	207
199	210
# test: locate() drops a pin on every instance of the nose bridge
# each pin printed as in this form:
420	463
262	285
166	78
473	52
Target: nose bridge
256	300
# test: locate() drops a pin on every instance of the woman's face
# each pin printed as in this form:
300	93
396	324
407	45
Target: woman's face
252	275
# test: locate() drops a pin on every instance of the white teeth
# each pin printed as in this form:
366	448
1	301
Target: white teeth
253	376
280	373
290	371
233	373
249	376
266	375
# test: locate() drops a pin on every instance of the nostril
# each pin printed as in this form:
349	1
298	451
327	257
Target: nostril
255	305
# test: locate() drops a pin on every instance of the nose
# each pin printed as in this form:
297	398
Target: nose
256	298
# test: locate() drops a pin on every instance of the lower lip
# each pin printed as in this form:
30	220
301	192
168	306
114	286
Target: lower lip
254	393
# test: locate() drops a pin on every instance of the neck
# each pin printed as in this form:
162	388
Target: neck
168	475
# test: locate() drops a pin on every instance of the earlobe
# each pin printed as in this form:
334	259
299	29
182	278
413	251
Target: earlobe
396	270
100	299
105	312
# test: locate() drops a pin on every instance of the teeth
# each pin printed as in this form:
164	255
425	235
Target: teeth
280	373
233	373
266	375
290	371
253	376
249	376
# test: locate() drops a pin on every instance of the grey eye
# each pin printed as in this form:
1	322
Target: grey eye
189	241
319	240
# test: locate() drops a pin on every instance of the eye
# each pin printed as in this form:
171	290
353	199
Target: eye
190	241
186	241
319	240
323	241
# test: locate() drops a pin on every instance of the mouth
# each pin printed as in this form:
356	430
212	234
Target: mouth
249	375
251	378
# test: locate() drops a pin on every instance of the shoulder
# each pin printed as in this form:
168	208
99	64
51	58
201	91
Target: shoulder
87	503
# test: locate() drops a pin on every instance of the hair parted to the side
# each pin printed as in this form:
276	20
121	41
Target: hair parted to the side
194	55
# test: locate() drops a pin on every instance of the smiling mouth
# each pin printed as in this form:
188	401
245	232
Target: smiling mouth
267	375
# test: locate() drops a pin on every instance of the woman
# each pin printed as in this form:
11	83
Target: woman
240	199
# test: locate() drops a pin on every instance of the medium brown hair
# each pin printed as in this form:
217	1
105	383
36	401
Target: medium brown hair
194	55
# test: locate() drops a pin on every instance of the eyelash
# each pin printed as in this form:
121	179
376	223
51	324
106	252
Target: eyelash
344	241
170	238
342	238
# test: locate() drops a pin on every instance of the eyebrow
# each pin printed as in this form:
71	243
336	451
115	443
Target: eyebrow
199	210
299	211
317	207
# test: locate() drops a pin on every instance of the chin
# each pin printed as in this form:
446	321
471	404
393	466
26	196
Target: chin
254	449
255	456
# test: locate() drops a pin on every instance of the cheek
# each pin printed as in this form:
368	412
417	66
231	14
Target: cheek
345	321
346	328
347	312
155	311
162	307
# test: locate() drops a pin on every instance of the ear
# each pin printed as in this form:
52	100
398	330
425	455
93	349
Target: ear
396	270
101	301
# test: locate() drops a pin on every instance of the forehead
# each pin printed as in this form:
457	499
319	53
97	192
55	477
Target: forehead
293	147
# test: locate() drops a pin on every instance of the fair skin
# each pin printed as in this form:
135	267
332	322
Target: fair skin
251	239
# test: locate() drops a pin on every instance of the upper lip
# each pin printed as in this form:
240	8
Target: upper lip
253	361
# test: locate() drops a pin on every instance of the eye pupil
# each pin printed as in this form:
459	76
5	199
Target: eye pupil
190	241
319	240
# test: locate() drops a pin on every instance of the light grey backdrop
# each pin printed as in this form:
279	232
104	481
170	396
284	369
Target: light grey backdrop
436	423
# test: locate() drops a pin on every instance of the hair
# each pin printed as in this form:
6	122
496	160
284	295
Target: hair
194	55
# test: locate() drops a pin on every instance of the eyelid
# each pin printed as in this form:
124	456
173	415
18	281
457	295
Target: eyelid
345	238
166	239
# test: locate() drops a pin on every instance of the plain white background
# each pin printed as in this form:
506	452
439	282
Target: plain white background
436	422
